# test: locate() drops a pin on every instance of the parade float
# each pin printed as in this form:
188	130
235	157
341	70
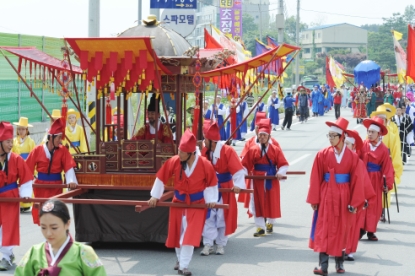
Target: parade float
110	203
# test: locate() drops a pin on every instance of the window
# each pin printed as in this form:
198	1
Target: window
307	50
306	36
318	35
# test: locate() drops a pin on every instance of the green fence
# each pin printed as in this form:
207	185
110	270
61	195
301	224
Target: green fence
15	99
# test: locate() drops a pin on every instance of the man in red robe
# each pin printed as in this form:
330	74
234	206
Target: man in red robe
13	174
355	143
195	181
265	159
334	194
148	131
245	197
231	174
49	160
375	155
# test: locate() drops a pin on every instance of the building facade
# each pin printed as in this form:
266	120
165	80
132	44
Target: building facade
322	39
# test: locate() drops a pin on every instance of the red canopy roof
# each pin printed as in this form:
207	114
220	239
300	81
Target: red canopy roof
282	50
125	61
34	55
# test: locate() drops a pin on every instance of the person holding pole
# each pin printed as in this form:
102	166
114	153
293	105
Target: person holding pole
334	194
265	159
50	159
378	163
195	182
23	144
13	173
221	223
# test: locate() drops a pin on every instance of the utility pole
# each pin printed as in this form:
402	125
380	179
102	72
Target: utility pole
93	20
140	12
260	20
280	21
297	42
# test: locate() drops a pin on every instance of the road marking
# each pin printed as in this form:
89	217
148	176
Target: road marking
298	159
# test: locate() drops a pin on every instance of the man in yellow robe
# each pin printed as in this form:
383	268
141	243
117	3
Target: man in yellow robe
75	133
392	141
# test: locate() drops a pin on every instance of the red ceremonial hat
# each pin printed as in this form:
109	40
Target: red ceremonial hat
206	125
58	127
378	122
358	141
259	115
188	142
213	132
341	123
6	131
264	126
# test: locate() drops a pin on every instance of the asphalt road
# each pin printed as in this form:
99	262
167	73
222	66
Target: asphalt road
285	252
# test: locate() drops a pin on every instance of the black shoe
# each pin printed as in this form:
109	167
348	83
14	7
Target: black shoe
371	236
349	259
259	232
270	228
362	233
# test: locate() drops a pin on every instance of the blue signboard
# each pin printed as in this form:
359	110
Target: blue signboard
173	4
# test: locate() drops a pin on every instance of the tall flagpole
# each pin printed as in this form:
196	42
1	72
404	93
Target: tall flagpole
297	43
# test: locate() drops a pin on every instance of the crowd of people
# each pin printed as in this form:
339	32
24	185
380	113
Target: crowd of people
351	181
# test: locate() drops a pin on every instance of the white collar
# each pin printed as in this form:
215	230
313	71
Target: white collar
45	148
152	129
54	258
216	153
373	148
339	157
188	171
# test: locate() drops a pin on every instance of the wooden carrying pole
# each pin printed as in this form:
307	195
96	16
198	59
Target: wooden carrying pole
112	202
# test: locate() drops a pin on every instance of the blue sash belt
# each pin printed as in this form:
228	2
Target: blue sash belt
340	178
24	155
75	144
193	197
372	167
49	177
271	171
224	177
8	187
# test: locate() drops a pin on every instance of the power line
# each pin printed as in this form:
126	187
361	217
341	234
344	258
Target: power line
332	13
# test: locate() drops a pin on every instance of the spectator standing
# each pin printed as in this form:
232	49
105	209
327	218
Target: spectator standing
289	110
337	100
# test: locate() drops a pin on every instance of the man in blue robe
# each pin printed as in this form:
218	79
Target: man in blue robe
219	111
315	98
260	107
273	113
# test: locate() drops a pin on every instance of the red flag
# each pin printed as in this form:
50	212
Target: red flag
329	78
410	67
210	42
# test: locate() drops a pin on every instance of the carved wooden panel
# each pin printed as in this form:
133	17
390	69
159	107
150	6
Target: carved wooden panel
89	164
111	152
137	154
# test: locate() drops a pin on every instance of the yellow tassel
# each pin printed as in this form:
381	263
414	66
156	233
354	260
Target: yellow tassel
135	89
151	85
123	84
84	76
98	76
143	75
128	74
18	79
111	80
89	87
105	90
139	81
157	95
146	93
93	83
172	96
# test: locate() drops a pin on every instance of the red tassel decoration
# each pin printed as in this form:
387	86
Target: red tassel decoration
108	112
64	113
